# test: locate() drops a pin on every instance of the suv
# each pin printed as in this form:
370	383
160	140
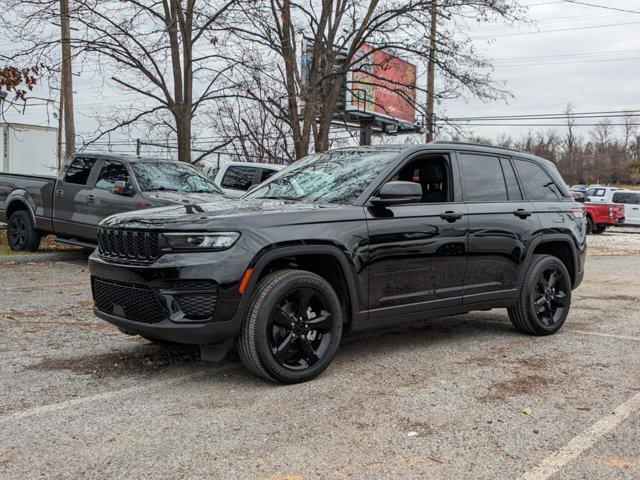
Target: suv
346	240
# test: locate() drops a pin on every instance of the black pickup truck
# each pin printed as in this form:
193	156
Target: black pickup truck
90	188
348	239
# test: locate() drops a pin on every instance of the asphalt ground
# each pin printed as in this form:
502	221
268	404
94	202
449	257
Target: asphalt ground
458	397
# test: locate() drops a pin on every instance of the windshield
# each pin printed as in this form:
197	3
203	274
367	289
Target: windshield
153	176
332	177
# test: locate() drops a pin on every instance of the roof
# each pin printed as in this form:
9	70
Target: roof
124	158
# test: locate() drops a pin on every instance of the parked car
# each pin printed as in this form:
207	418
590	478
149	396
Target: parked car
600	216
601	194
236	178
346	240
90	188
630	199
578	187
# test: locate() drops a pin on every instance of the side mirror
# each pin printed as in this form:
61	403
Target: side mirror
120	187
398	192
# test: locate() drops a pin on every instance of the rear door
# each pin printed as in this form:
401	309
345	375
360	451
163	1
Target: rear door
71	208
501	223
104	201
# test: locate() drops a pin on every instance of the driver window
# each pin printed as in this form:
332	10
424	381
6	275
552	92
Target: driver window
432	174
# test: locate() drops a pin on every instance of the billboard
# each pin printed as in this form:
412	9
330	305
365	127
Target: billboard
381	85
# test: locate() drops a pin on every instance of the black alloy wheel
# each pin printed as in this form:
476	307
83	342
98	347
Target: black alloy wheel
550	295
293	327
21	233
300	329
544	300
17	232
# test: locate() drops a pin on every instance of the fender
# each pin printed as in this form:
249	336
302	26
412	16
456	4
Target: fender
22	197
260	262
546	238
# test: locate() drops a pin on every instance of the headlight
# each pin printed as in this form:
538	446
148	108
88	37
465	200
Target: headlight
201	240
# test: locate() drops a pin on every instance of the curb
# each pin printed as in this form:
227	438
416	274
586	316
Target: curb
43	257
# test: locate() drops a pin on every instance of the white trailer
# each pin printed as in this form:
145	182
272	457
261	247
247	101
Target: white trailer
28	149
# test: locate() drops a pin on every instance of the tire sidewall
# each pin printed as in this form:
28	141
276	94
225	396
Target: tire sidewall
262	324
538	268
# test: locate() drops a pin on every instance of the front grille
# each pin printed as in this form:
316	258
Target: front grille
128	244
133	302
197	299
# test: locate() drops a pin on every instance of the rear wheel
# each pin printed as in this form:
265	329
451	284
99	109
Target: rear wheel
590	225
598	229
22	233
545	297
293	327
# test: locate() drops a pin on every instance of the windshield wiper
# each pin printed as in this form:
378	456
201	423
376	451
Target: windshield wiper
280	197
162	189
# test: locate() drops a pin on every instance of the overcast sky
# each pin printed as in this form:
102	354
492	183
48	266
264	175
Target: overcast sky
569	53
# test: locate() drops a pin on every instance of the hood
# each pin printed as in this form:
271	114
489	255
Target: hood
221	211
168	197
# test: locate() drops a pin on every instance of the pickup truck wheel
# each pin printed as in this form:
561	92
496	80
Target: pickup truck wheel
590	225
293	327
545	297
599	229
22	233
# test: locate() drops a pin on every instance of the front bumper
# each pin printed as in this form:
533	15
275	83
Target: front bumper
182	298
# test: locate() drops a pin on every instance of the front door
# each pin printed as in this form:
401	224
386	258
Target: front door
417	252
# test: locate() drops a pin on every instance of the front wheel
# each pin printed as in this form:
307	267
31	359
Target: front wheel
293	327
22	234
545	297
599	229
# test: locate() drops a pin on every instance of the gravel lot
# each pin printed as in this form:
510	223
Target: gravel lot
462	397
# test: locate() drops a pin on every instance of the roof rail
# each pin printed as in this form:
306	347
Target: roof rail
476	145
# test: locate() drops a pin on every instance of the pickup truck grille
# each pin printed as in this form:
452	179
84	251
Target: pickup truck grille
128	244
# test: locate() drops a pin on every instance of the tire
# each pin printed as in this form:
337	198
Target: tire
590	225
277	340
530	314
599	229
22	234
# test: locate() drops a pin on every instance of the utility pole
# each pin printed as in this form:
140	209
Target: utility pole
431	70
66	81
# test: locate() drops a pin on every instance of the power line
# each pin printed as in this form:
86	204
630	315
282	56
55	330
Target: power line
565	63
602	6
558	30
548	116
539	124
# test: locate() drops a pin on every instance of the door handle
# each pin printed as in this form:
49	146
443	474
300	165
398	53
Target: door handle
450	216
59	193
91	199
522	213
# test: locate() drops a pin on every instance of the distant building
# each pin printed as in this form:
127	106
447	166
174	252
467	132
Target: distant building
28	149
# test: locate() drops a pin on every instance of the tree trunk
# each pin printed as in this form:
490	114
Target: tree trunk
66	87
183	119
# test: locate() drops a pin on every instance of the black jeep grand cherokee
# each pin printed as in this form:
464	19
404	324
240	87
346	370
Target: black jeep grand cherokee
345	240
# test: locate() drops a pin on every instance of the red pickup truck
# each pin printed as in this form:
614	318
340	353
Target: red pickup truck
603	215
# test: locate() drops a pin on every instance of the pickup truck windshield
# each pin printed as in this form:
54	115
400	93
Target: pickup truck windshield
172	176
332	177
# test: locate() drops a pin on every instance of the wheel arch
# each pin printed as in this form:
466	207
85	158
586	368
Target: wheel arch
18	202
328	261
559	245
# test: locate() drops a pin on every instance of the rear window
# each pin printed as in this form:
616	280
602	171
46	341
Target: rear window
628	198
238	177
482	178
536	183
79	171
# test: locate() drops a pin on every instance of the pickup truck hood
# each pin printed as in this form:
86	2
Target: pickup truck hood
169	197
221	211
